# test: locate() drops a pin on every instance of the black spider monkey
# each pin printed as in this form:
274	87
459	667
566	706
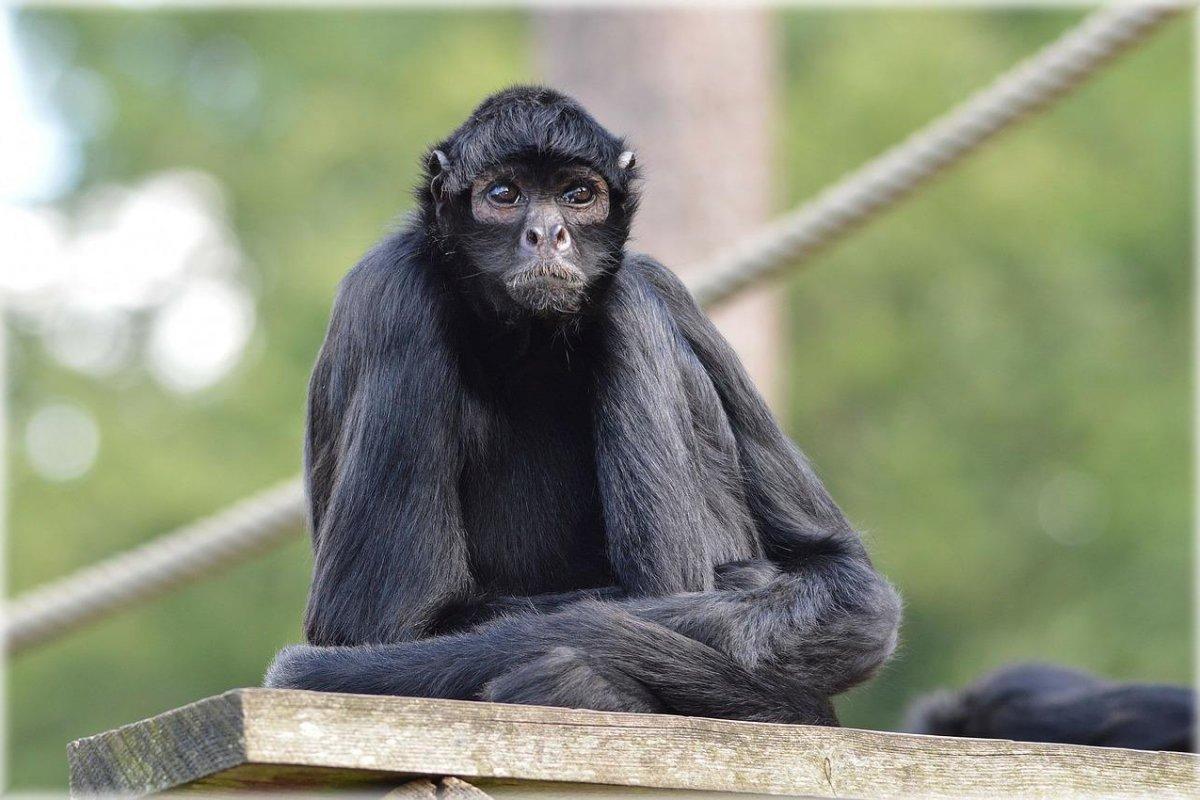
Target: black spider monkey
537	473
1047	703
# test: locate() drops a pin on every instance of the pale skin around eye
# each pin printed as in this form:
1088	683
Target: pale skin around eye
492	196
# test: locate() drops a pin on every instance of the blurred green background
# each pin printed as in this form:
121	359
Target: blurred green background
995	380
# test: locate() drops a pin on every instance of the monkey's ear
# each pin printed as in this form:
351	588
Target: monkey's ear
626	160
439	164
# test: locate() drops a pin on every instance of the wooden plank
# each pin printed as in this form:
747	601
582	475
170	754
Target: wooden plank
169	750
508	789
360	738
420	789
443	789
300	779
456	789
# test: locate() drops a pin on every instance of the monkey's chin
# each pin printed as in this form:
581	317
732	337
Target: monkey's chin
548	289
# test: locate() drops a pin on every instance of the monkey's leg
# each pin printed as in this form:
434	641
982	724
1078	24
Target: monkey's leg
461	616
475	611
829	623
570	677
591	655
772	653
622	662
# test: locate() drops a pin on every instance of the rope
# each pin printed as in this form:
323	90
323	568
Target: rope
253	525
886	180
262	521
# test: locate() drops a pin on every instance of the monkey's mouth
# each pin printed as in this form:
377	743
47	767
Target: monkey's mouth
552	287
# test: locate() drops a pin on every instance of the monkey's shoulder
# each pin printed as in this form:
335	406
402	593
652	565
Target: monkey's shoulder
643	279
394	267
650	276
645	268
390	298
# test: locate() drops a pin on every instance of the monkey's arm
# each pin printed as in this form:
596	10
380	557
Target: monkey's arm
658	520
801	529
382	465
796	517
733	575
474	611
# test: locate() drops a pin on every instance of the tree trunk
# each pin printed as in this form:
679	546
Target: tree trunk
694	90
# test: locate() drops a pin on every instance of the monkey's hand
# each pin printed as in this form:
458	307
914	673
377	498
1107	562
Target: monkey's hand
468	613
753	573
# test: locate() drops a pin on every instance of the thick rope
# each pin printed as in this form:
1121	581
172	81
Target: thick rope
251	526
884	181
264	520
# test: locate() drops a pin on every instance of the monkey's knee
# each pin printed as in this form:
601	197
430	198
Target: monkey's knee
878	630
851	636
567	678
864	636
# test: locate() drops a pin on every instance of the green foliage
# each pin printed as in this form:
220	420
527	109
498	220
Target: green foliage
319	170
994	379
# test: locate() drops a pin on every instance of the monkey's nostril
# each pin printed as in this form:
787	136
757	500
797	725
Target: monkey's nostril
533	236
562	239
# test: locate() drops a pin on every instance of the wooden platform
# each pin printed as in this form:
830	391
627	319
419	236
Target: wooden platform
266	738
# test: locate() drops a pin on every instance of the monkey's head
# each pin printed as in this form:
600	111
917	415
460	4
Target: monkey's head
532	201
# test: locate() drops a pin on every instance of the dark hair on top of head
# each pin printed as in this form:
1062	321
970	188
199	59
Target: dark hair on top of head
529	120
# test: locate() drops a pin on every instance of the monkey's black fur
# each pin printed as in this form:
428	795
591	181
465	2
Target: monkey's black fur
1044	703
592	509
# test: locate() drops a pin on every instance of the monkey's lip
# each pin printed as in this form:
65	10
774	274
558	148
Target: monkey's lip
552	272
548	288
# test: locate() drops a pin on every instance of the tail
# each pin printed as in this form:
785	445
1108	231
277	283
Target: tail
1044	703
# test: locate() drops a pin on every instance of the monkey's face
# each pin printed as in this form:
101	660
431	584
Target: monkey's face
539	234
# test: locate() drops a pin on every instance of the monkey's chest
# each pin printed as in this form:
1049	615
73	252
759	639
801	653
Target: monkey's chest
531	501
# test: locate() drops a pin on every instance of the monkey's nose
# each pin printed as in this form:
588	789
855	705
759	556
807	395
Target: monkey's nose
535	239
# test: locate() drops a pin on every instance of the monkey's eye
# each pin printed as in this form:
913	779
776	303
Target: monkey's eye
504	194
579	195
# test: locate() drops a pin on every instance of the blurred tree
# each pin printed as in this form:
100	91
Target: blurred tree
995	379
703	130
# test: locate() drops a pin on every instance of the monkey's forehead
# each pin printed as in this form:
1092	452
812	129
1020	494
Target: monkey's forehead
552	127
550	168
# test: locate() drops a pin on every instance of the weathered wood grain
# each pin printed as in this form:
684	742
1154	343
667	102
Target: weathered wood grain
420	789
169	750
508	789
456	789
436	789
328	739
